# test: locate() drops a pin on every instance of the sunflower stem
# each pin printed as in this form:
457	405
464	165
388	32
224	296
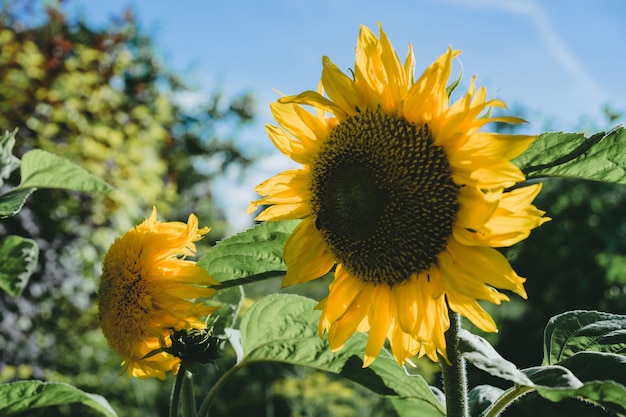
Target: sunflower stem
506	399
176	390
188	400
210	397
454	371
247	280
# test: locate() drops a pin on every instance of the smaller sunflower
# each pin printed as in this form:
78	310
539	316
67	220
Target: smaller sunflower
146	290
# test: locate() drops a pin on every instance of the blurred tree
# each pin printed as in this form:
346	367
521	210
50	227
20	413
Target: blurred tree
101	98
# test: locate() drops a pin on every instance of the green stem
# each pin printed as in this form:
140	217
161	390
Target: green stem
505	400
208	400
188	402
175	397
247	280
454	372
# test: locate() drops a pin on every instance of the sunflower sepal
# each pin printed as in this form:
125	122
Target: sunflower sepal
194	347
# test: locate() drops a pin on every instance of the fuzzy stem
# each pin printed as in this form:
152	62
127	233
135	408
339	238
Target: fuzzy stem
208	400
175	397
188	402
454	371
506	399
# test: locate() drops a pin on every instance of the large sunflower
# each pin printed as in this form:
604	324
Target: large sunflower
404	193
146	290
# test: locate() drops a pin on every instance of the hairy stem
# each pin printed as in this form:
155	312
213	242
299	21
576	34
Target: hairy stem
248	280
188	400
454	371
505	400
175	397
210	397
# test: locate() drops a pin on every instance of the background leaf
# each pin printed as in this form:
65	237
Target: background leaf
41	169
600	157
18	259
576	331
13	201
256	251
8	162
17	397
283	328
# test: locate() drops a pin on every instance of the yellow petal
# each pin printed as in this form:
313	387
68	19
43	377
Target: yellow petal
504	174
467	282
315	99
495	268
405	298
347	324
380	320
342	292
396	82
476	207
469	308
340	89
291	119
306	255
289	145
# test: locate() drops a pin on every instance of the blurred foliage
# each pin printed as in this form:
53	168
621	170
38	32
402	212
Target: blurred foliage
101	98
316	394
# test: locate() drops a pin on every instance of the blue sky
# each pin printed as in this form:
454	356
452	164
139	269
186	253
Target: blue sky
561	60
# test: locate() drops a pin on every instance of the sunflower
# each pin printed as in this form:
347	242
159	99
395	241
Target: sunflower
146	290
402	191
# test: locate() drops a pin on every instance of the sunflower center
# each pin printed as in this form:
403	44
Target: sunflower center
383	197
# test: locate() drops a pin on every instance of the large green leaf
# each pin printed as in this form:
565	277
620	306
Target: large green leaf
600	157
18	259
594	376
21	396
482	355
257	251
13	201
283	328
577	331
41	169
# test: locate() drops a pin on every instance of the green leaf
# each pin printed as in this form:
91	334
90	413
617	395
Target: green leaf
13	201
258	250
18	259
481	397
481	354
8	162
283	328
577	331
41	169
593	376
17	397
600	157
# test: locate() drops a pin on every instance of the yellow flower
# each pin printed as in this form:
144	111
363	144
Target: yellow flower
404	193
146	290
